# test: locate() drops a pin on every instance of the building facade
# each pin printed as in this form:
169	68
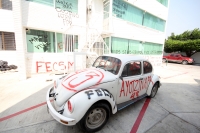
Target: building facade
63	35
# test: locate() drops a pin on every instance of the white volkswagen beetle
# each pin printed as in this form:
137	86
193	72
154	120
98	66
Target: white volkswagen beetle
89	96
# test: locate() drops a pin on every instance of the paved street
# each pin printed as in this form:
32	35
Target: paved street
175	108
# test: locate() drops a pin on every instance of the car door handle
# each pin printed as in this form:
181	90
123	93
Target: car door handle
141	79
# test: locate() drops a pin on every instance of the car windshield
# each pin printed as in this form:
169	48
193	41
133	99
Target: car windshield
108	63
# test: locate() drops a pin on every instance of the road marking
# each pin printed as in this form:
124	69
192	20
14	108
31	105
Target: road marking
21	112
140	116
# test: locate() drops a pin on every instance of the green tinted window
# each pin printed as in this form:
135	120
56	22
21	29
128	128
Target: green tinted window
106	49
76	41
127	12
130	13
135	47
45	2
59	37
119	46
164	2
126	46
152	48
154	22
40	41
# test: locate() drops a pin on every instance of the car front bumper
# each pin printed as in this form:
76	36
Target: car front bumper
57	116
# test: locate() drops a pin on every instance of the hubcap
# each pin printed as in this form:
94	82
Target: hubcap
96	118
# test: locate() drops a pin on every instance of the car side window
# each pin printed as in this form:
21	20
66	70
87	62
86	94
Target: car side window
172	55
176	55
132	69
147	67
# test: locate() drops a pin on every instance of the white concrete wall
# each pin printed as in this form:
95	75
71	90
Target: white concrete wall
136	32
43	17
95	17
9	56
6	21
196	57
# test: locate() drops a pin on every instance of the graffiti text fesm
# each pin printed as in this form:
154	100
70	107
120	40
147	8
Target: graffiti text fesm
52	66
133	87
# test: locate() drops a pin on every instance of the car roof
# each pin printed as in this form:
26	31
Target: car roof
125	58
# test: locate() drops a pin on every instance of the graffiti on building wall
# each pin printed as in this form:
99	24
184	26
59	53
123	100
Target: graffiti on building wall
65	4
60	46
42	44
155	60
136	52
52	66
66	16
119	8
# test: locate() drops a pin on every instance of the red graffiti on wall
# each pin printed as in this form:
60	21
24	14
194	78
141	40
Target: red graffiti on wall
133	87
60	45
76	79
52	66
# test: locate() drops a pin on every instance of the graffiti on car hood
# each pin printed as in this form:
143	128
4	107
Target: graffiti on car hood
80	80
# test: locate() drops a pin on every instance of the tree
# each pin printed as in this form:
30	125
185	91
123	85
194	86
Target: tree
188	42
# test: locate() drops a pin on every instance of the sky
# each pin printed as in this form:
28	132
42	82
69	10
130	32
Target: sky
182	15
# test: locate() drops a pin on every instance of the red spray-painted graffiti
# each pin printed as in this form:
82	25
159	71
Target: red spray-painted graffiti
93	76
133	87
52	66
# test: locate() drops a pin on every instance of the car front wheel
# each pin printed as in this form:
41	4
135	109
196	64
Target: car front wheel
154	90
184	62
95	118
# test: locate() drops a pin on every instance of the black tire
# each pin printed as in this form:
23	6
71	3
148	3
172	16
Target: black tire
3	69
95	118
184	62
164	60
154	90
8	68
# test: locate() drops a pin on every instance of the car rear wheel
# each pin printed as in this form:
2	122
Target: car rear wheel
95	118
154	90
184	62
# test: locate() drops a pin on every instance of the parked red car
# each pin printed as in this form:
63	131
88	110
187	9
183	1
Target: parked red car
178	58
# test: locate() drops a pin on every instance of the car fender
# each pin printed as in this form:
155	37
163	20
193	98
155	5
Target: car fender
83	100
155	79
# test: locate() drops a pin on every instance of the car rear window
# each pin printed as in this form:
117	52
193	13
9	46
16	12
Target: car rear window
147	67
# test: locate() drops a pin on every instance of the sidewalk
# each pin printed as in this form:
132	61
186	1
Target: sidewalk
13	90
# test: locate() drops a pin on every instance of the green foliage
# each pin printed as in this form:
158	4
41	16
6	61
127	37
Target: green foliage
188	41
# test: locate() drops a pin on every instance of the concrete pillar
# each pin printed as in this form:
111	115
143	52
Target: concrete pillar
19	38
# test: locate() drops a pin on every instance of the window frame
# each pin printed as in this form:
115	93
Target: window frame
58	40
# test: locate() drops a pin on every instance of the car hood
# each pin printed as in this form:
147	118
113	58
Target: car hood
81	80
